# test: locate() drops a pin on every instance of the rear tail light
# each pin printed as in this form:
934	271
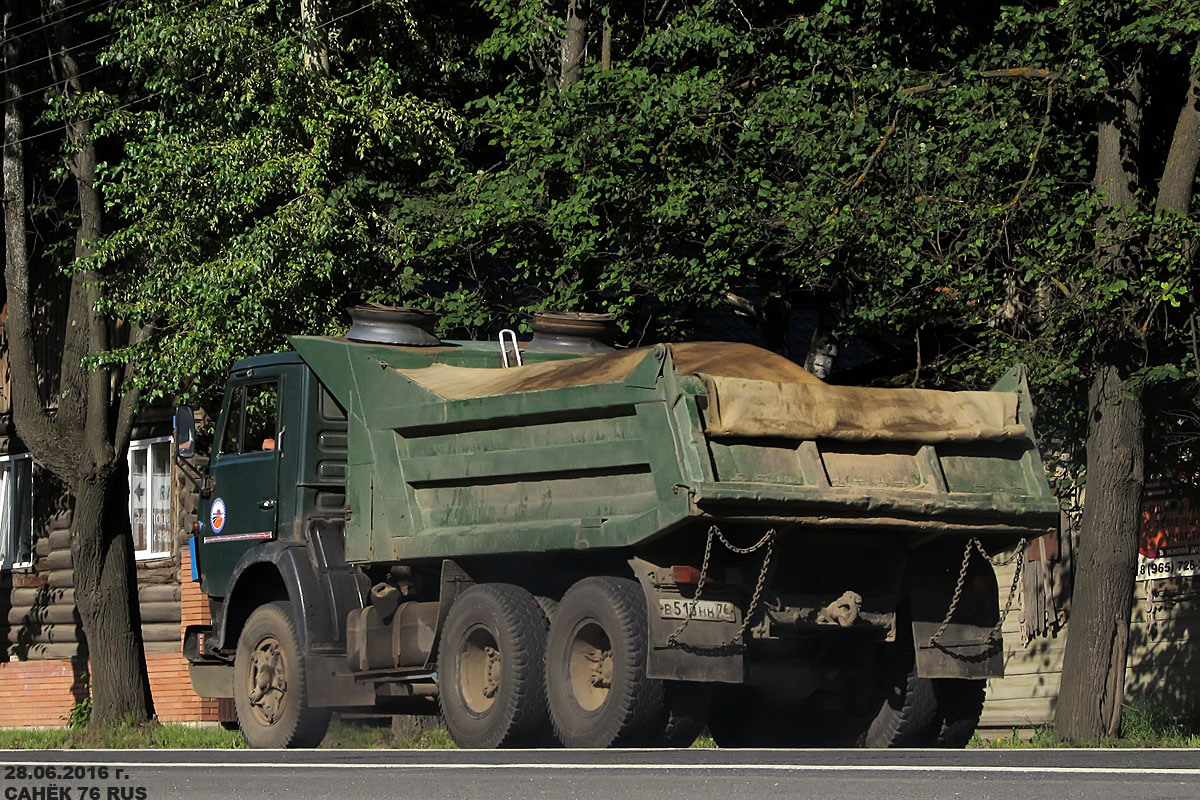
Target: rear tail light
685	574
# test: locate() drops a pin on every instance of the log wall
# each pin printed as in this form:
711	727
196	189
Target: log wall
41	621
1163	665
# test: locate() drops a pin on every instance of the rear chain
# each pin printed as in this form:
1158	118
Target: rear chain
975	544
714	532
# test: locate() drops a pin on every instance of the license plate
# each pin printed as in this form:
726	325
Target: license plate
679	608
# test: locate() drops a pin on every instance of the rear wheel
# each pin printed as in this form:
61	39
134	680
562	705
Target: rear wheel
271	686
490	669
924	712
596	681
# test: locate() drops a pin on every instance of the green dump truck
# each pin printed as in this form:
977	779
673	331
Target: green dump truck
556	542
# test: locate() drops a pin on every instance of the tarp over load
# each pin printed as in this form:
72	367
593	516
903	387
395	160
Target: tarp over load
755	393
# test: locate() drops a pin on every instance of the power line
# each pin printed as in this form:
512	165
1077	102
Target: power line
53	22
15	67
160	92
108	35
57	84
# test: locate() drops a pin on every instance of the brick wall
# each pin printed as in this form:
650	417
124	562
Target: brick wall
40	692
174	700
195	602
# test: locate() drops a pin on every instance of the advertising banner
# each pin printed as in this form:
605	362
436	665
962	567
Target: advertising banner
1169	539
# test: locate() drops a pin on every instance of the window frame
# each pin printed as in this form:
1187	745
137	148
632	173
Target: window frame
7	462
147	445
238	398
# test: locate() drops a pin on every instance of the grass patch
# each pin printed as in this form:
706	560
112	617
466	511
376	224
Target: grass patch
366	734
1150	724
1043	736
1143	724
122	737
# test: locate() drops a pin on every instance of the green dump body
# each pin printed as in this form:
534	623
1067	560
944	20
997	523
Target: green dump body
451	456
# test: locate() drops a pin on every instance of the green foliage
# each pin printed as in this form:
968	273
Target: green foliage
254	195
920	173
80	714
1149	722
1039	737
1144	723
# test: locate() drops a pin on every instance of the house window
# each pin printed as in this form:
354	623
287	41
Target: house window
150	496
16	511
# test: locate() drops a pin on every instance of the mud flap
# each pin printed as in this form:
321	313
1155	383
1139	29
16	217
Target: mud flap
966	647
702	651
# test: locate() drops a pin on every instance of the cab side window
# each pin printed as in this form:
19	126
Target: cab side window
262	412
252	425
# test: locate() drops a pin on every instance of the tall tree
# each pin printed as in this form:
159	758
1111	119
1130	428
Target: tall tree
84	439
1095	661
258	169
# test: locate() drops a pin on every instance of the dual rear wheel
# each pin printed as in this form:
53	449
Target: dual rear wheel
518	671
515	670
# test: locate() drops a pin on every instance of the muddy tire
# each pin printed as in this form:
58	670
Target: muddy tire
490	668
924	712
906	712
271	686
596	680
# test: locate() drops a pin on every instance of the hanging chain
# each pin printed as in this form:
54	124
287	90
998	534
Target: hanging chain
714	532
975	544
769	538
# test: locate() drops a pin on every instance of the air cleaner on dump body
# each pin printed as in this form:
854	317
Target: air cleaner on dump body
392	325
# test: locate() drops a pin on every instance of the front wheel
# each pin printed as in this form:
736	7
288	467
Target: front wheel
270	684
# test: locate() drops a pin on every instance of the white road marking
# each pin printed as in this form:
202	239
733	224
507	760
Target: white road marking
1166	772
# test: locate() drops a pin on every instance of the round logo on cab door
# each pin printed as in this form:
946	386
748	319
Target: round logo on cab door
216	515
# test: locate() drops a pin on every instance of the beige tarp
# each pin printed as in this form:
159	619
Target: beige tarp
727	359
738	407
753	392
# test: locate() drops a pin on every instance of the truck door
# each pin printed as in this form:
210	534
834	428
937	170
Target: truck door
241	511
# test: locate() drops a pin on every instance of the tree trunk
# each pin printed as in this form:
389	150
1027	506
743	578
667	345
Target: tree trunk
1094	665
574	43
316	55
106	594
606	45
1089	701
101	538
1179	174
84	442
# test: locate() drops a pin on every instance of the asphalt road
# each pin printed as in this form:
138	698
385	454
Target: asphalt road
594	774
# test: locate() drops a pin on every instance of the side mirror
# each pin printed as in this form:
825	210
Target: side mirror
185	432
